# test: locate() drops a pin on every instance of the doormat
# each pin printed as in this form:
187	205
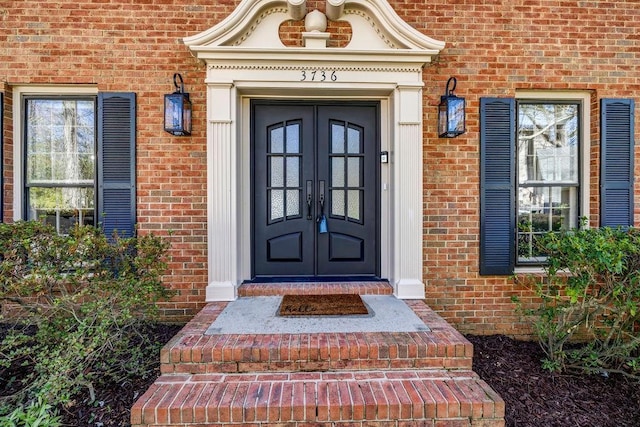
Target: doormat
322	305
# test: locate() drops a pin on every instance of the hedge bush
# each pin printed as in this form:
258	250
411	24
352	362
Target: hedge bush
590	294
74	303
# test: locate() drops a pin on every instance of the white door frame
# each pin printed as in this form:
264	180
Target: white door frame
245	178
245	60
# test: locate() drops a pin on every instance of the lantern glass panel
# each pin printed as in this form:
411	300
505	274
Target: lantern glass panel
186	118
455	116
451	120
442	119
177	114
173	112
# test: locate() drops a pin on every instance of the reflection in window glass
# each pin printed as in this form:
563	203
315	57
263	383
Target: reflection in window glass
293	138
60	141
284	174
277	171
548	158
293	203
277	204
60	135
337	138
346	172
337	203
354	204
62	207
355	172
353	138
337	171
277	140
293	171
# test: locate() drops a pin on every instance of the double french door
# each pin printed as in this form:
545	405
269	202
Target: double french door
315	190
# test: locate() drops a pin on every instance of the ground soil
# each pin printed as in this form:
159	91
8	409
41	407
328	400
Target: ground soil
538	398
534	397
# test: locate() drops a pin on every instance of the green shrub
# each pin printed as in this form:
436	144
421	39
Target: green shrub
37	413
79	300
591	294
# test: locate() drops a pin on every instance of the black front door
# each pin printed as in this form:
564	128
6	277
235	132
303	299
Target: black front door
315	189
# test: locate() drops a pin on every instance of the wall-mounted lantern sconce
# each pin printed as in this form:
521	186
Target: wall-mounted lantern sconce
177	110
451	113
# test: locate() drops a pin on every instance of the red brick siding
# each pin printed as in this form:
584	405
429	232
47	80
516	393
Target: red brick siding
291	31
7	153
494	48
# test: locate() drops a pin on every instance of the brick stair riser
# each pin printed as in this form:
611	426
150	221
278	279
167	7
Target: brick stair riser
319	398
193	353
274	289
414	423
318	346
309	366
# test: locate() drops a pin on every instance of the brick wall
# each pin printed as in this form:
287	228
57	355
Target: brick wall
7	167
129	46
494	48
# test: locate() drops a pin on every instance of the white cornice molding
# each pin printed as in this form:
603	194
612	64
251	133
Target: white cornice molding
251	30
304	55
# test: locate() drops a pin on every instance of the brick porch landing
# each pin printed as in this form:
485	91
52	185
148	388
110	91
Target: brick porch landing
318	379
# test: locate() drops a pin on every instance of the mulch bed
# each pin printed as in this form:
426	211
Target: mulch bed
534	397
113	400
538	398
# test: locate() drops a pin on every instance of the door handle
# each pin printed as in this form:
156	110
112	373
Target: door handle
322	220
321	197
309	199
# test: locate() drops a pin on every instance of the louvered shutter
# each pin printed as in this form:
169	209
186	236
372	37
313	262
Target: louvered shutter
116	163
616	167
497	186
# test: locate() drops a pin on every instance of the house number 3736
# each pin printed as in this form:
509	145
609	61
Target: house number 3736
318	75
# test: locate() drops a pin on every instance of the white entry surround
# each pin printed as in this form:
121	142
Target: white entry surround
246	59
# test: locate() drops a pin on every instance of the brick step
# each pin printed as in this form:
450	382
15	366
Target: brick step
314	288
373	379
354	398
194	352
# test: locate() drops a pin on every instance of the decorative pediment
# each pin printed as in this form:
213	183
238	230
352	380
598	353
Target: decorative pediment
255	24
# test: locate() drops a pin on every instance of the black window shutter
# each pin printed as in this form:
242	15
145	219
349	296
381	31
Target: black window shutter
616	167
497	186
116	163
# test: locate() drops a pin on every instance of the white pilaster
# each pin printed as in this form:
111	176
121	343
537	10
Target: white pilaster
221	193
407	242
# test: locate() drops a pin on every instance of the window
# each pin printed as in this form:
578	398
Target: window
77	156
60	153
548	163
535	171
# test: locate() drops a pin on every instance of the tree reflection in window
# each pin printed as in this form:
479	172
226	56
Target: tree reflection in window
60	135
548	173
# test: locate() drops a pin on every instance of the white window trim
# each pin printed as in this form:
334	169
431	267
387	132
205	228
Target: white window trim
19	92
584	97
